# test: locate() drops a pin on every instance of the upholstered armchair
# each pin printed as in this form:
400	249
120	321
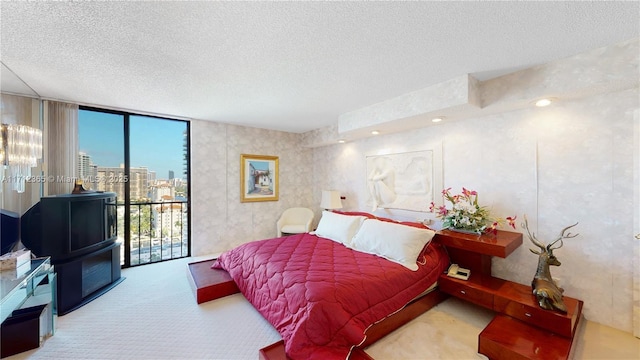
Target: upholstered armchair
295	221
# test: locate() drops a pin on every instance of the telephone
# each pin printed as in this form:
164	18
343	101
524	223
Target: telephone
458	272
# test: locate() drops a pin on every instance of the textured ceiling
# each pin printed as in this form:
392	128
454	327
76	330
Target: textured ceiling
292	66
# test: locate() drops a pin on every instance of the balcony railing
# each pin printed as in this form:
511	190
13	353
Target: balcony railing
158	232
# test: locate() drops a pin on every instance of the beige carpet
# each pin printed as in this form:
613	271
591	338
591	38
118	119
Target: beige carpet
448	331
153	315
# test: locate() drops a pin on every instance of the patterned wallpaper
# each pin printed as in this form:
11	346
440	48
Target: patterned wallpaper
572	161
219	220
558	165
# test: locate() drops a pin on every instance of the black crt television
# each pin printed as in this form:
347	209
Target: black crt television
70	225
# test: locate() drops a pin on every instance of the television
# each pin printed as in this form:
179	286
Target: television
70	225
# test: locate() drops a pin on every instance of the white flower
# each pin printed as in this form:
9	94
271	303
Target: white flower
465	212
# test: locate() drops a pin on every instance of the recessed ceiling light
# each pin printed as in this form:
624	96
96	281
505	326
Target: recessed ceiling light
437	119
375	132
543	102
341	141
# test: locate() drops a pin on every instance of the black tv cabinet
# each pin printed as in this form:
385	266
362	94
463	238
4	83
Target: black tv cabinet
82	279
79	233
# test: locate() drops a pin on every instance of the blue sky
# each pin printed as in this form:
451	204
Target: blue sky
260	165
155	143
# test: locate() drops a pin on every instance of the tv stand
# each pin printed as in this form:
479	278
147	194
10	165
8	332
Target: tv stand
84	278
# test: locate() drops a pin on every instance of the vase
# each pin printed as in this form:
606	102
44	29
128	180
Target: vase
464	231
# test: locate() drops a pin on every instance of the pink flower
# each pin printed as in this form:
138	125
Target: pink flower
493	228
467	214
468	193
442	210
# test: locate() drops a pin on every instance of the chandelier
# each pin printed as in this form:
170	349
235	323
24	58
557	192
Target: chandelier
20	150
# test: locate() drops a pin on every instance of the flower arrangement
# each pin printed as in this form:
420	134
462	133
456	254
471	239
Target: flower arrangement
466	215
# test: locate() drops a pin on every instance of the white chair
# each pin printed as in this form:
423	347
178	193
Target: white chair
295	221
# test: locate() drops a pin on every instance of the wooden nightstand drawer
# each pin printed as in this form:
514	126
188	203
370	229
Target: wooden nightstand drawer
466	291
528	314
516	300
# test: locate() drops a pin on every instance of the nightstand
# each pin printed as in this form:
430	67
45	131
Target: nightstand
521	329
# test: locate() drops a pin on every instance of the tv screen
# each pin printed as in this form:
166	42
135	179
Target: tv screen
87	224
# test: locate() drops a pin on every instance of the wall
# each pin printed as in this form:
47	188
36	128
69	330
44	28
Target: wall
219	220
566	163
569	162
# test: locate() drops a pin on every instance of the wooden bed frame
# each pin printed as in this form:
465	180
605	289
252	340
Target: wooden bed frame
210	284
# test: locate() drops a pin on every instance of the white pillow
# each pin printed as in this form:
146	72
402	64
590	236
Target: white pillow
399	243
338	227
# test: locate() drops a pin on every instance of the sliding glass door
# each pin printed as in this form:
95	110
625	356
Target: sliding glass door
145	161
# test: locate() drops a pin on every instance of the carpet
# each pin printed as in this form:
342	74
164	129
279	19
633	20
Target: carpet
153	315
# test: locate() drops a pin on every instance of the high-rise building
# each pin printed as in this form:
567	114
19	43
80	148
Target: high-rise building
152	177
171	175
185	154
84	165
86	171
112	179
170	220
139	183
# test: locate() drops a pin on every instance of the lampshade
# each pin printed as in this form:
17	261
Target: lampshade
330	200
20	150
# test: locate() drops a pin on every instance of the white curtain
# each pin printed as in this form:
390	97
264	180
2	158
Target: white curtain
61	146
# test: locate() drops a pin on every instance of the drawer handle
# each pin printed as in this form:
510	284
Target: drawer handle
527	314
463	292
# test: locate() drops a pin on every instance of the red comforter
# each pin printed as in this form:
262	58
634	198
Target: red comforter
322	296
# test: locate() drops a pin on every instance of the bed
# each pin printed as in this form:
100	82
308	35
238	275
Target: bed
324	291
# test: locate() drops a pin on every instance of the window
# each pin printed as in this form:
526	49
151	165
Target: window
145	161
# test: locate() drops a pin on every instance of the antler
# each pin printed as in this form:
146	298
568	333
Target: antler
562	236
532	237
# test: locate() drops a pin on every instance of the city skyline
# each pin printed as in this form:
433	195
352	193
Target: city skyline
143	182
158	148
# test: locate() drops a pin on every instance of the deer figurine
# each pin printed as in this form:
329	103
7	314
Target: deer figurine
547	292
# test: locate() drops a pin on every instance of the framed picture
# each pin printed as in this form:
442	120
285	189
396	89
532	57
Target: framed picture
258	178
